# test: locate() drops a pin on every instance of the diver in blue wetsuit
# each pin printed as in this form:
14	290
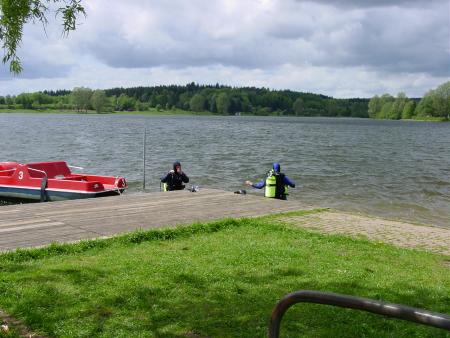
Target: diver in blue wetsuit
276	183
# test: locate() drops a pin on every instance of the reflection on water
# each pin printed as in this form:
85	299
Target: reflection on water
390	168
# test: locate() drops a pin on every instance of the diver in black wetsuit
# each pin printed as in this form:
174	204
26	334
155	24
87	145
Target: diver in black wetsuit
175	178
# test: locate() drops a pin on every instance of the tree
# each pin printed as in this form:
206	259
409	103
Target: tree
125	102
212	104
332	107
386	102
436	103
183	100
441	100
425	106
397	107
25	99
197	103
9	100
298	106
15	14
99	100
408	110
222	104
81	98
386	110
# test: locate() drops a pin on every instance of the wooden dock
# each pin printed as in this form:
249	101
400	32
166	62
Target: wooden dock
38	224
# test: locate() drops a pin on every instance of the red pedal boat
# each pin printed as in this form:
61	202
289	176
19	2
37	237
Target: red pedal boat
53	181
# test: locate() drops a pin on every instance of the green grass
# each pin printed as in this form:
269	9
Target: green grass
430	118
37	111
155	112
11	333
218	279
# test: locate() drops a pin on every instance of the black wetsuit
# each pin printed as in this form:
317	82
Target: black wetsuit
175	180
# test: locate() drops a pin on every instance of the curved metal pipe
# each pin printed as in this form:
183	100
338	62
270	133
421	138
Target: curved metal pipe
399	311
44	181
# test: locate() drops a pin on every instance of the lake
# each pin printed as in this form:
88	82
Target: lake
394	169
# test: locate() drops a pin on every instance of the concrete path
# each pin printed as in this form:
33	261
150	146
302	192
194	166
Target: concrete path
31	225
394	232
37	224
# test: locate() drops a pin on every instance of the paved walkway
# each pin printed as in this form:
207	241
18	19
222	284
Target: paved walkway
31	225
394	232
37	224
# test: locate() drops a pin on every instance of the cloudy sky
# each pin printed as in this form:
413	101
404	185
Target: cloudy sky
341	48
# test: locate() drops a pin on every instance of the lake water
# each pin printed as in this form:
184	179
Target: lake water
395	169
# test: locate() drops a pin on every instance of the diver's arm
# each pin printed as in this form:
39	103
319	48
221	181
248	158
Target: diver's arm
261	184
184	178
288	182
165	178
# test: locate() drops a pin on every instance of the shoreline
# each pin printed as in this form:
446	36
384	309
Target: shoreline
398	232
181	112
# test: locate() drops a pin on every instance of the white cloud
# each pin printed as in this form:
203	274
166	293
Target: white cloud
346	48
337	82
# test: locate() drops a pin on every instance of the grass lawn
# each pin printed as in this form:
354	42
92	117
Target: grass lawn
218	279
430	118
37	111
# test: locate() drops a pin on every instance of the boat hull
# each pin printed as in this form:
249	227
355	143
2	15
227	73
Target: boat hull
33	194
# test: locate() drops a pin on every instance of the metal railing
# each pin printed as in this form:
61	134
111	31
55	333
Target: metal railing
8	170
75	167
44	196
420	316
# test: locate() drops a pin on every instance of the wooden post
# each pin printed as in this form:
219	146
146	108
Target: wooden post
143	157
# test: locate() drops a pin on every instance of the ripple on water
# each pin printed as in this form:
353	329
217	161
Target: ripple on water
387	168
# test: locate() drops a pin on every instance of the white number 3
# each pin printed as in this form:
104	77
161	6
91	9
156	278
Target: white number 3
20	175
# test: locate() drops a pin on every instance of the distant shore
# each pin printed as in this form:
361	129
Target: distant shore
181	112
93	112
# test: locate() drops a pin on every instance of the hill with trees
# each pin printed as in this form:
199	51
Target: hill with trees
224	100
215	99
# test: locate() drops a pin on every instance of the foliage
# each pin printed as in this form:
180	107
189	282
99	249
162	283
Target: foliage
298	106
14	14
99	100
81	98
218	99
398	106
125	103
388	107
222	104
217	279
197	103
408	110
436	103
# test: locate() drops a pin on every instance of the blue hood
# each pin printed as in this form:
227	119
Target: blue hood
276	167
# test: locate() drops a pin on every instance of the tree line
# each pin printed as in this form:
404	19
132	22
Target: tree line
225	100
216	99
435	104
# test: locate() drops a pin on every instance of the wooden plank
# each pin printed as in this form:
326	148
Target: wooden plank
29	227
38	224
23	221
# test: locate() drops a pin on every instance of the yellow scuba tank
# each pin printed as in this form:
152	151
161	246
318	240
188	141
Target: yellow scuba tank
164	187
271	185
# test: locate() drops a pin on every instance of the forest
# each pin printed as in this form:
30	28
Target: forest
215	99
225	100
